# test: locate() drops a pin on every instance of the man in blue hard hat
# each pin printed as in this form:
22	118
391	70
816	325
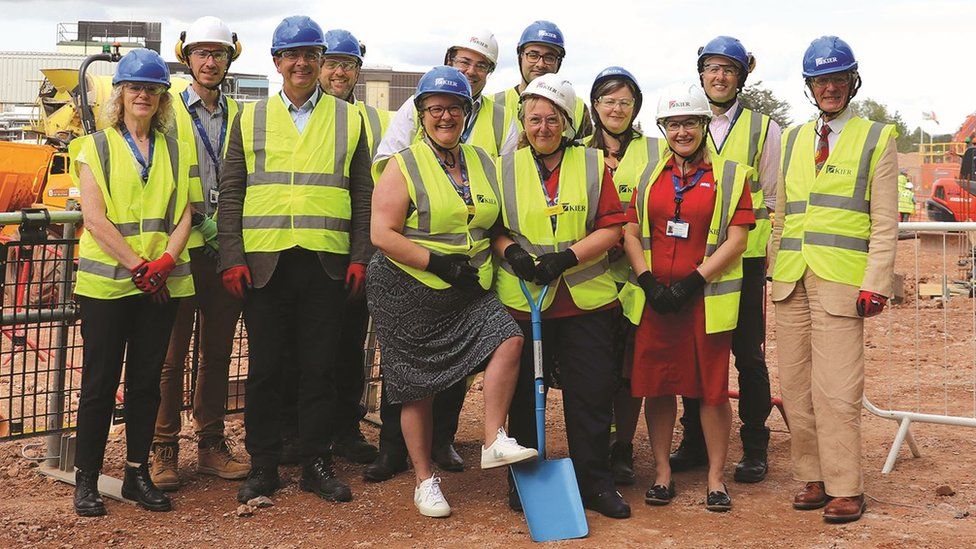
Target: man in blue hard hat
294	215
753	139
541	50
832	261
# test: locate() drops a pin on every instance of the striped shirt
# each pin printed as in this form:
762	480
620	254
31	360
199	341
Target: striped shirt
213	123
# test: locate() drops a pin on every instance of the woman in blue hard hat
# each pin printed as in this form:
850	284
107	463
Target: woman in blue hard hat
132	270
615	102
427	287
561	214
694	213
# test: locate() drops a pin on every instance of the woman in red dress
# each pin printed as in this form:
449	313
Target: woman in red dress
692	212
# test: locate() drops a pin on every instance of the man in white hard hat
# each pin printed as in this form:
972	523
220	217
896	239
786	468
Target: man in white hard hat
203	113
475	55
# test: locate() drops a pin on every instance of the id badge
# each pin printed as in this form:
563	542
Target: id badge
677	228
471	210
554	210
214	194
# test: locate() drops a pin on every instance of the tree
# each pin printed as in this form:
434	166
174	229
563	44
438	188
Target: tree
873	110
761	99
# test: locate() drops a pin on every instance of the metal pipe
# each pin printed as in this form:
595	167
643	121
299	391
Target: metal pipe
67	313
55	403
87	115
938	226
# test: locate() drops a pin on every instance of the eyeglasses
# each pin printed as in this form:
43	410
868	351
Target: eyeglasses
137	88
465	64
839	80
202	54
538	121
347	66
690	124
437	111
611	103
548	59
715	68
293	55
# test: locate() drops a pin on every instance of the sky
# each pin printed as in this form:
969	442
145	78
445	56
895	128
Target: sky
911	53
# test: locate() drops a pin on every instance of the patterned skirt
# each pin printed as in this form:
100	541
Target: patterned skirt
430	339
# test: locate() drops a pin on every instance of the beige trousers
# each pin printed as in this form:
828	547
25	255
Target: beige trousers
821	372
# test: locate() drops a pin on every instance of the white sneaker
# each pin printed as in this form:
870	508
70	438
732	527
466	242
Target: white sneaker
505	451
430	500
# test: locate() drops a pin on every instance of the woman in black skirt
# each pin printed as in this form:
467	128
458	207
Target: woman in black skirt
427	288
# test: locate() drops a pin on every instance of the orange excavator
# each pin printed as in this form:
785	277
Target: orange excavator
949	174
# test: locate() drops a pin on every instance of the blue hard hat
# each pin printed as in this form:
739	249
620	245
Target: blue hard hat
542	32
826	55
618	73
443	79
342	42
142	65
295	32
726	46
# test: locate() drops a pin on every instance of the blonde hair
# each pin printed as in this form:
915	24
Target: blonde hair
114	110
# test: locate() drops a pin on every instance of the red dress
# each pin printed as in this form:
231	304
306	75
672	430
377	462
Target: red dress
672	353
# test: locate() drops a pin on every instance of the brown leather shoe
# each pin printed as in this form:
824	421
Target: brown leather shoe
163	465
215	458
840	510
811	497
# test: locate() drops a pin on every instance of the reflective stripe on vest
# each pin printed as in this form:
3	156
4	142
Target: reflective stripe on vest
145	213
722	294
523	206
439	221
298	183
489	129
375	124
827	223
744	144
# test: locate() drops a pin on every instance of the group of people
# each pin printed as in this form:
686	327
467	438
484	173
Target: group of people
440	221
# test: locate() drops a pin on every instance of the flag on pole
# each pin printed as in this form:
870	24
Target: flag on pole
930	116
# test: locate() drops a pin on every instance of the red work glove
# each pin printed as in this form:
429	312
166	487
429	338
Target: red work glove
236	280
152	275
870	303
355	278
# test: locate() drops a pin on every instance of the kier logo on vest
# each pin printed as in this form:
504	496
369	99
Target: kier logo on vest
567	207
482	199
832	169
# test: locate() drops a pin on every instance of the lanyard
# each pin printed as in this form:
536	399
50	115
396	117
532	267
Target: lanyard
553	208
203	132
138	154
464	191
680	189
471	121
732	122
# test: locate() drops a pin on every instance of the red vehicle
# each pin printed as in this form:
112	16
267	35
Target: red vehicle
954	198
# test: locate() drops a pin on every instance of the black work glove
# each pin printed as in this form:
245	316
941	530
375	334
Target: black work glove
521	262
453	269
552	265
658	295
683	289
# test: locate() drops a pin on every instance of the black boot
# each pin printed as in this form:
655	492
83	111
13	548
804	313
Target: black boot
386	466
139	487
689	455
622	463
754	464
88	502
353	446
319	478
447	458
609	504
261	481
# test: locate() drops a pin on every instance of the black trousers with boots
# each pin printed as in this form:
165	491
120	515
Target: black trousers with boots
748	339
134	328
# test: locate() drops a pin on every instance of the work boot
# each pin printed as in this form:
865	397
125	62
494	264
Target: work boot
688	456
88	502
291	452
622	463
319	478
214	458
353	446
261	481
138	486
751	468
164	465
386	466
447	458
609	504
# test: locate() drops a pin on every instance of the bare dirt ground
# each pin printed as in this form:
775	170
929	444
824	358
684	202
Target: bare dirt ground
904	508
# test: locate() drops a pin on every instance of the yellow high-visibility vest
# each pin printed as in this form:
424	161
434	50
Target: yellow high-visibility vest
375	121
744	144
722	294
440	220
298	183
906	196
827	222
146	214
526	215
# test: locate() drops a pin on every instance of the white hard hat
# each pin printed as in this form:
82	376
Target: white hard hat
909	185
683	100
558	90
208	29
481	41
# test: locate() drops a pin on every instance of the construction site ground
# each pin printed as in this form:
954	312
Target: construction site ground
905	507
